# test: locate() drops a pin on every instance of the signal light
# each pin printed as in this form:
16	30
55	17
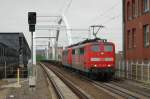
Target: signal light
31	18
31	21
31	28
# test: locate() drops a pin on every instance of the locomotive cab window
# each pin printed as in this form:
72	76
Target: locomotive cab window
95	48
81	51
66	52
76	51
73	51
108	48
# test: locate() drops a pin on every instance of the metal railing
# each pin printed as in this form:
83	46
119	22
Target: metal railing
13	72
139	71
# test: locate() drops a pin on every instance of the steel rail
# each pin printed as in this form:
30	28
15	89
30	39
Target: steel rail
141	93
73	87
115	90
56	89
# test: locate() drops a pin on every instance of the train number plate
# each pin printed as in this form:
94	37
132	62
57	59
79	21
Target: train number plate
95	59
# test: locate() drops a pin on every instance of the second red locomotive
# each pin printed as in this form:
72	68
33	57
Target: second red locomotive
95	57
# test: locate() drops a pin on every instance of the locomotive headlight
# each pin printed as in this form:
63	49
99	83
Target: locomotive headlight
109	65
102	53
108	59
95	65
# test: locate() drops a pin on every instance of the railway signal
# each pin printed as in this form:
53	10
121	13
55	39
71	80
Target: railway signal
32	69
31	21
32	18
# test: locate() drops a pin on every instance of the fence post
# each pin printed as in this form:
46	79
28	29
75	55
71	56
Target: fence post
18	76
131	68
148	71
122	64
136	70
127	69
5	70
142	70
119	69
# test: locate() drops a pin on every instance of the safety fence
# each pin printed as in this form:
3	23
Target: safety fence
13	72
139	71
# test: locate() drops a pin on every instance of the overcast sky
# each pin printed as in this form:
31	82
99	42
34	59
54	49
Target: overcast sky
80	14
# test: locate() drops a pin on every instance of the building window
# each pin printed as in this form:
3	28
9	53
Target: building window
140	7
137	8
146	35
146	5
133	8
129	11
129	39
133	38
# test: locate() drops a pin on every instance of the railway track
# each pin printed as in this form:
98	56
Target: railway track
118	91
77	93
115	90
113	87
146	94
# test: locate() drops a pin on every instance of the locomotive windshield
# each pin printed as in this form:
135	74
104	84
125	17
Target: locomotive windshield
106	48
95	48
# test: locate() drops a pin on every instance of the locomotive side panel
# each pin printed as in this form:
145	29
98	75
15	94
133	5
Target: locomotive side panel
79	58
67	57
93	57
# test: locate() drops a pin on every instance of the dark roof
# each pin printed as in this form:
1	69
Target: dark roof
3	45
88	41
11	39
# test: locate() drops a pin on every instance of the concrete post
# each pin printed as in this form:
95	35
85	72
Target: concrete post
34	50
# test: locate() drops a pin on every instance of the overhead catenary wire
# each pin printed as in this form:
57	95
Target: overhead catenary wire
111	19
109	9
106	12
66	8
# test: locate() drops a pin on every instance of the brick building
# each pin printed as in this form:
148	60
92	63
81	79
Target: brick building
136	29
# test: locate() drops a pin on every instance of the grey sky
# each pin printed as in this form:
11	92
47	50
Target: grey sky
81	14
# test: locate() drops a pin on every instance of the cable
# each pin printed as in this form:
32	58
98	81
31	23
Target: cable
108	10
111	19
67	7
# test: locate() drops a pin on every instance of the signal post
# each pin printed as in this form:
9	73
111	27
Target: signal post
32	68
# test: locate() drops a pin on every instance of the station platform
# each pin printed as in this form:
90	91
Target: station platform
9	89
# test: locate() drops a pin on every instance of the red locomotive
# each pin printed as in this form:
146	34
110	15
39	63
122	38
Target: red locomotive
94	57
